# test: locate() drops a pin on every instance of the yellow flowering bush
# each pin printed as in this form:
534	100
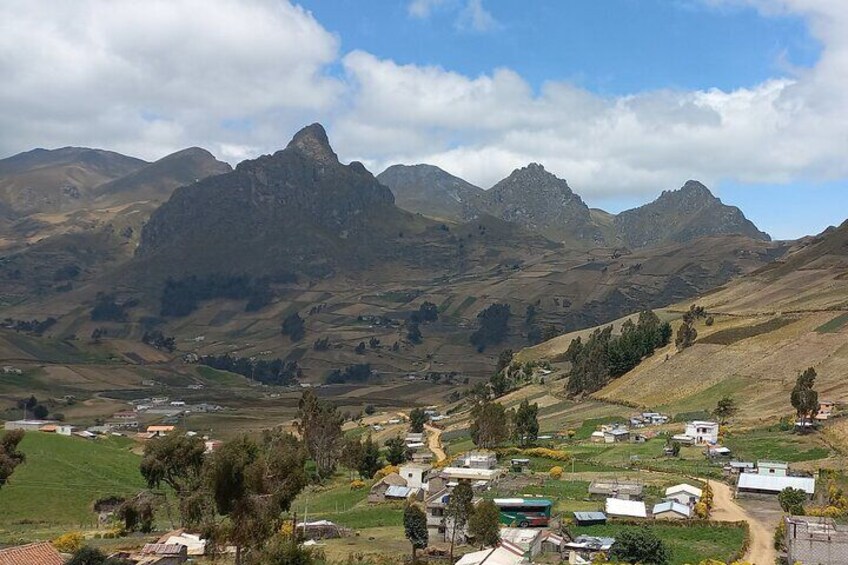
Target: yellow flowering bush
555	472
69	543
357	484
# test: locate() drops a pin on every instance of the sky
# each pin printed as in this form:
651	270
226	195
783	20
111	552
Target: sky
622	98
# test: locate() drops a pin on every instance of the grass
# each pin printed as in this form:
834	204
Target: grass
688	544
588	426
732	335
222	378
60	480
346	507
833	325
774	444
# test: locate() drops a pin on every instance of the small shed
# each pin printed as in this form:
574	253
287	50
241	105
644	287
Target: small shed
684	494
671	510
589	518
381	487
626	508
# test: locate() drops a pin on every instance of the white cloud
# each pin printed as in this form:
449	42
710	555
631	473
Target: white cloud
476	18
240	77
150	77
422	9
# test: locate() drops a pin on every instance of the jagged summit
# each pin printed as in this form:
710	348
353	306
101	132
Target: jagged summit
431	191
682	215
313	142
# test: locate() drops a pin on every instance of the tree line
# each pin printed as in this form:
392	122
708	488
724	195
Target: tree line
270	372
604	356
181	297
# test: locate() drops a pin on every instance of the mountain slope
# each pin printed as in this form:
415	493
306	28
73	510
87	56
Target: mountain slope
680	216
59	180
299	209
431	191
539	201
157	180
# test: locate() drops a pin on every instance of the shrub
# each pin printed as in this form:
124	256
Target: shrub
387	470
555	472
69	543
357	485
702	511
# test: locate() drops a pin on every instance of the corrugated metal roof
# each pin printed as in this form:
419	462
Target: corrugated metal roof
774	483
683	487
396	491
631	508
590	516
671	506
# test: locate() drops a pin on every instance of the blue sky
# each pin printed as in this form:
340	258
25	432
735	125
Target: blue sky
613	48
623	98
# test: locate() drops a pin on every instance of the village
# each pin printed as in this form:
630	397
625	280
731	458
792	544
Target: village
550	511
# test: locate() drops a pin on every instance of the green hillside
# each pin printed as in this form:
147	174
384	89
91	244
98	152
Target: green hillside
53	491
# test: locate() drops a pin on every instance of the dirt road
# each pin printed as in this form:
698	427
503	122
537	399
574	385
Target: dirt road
725	509
434	442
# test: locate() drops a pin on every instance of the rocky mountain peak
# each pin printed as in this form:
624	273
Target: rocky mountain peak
313	142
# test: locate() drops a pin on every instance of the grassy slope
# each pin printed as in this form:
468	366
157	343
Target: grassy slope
62	477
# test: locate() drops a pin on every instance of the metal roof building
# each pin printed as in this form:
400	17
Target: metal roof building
628	508
754	482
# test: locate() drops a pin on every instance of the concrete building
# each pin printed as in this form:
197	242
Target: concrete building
817	541
505	554
616	435
625	490
27	425
684	494
704	432
528	539
413	474
479	460
773	468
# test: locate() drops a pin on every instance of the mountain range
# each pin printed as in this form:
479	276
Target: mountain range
334	243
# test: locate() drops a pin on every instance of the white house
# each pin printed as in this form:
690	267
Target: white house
413	473
703	431
684	494
773	468
505	554
479	460
773	484
671	510
528	539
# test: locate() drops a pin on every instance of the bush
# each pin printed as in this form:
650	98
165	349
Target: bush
357	485
387	470
555	472
69	543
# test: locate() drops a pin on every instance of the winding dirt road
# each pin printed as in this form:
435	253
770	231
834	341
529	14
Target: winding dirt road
725	509
434	442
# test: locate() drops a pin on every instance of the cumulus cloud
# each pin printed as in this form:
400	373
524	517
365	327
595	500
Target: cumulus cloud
482	127
239	77
475	17
150	77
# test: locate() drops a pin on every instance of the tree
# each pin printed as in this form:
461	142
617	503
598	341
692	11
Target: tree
413	332
428	312
351	454
294	327
320	426
686	334
640	546
40	412
804	398
484	524
504	359
499	384
396	450
489	424
493	320
251	484
417	420
92	556
526	423
415	528
370	462
137	513
725	409
177	461
458	510
10	457
792	500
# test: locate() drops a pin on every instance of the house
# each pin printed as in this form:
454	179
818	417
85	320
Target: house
684	494
616	435
553	543
703	432
479	460
671	510
588	548
715	451
737	467
683	439
41	553
773	468
413	474
816	540
625	490
654	418
480	477
125	415
528	539
597	437
589	518
422	456
160	430
826	408
414	438
434	508
757	483
381	487
27	425
163	554
625	508
505	554
519	464
397	492
195	545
